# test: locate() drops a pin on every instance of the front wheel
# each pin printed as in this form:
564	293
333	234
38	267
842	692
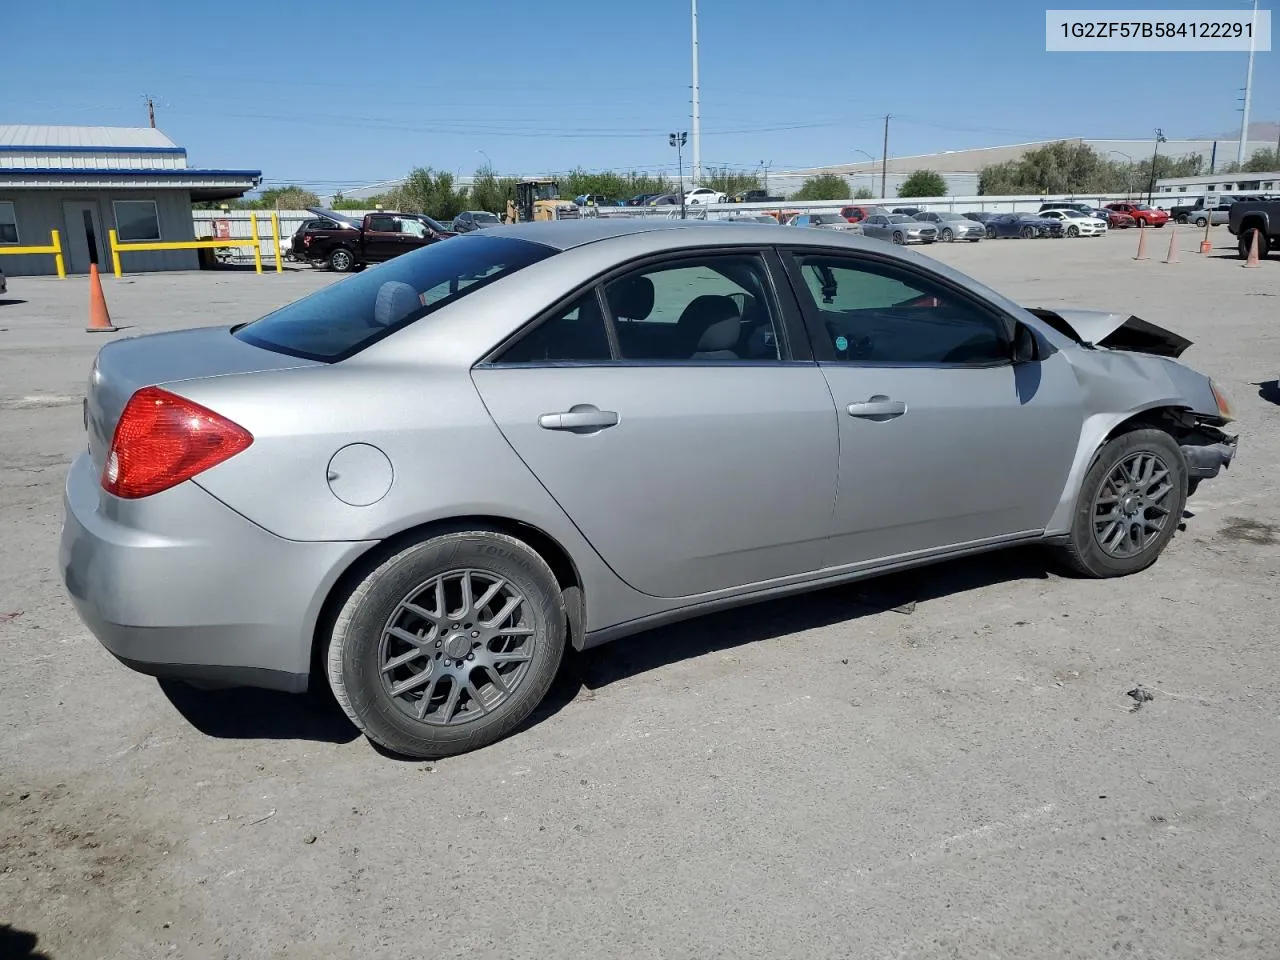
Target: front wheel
1028	232
1129	506
1073	231
1160	224
898	237
449	644
1201	221
946	236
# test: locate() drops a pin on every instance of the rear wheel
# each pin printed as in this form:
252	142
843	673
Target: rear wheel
449	644
341	260
1245	243
1200	221
1130	504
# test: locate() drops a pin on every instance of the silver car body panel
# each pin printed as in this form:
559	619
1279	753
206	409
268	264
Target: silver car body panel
721	482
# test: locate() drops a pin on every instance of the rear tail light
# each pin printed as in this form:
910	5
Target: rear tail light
163	439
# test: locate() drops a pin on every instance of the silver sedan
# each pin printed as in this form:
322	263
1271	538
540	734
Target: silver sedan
423	483
899	228
953	226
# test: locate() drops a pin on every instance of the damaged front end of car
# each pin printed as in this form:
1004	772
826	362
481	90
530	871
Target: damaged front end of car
1196	421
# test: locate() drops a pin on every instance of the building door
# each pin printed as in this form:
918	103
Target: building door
86	242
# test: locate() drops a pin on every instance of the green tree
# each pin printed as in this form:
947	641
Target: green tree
286	198
729	181
862	193
923	183
428	191
491	192
825	186
1262	161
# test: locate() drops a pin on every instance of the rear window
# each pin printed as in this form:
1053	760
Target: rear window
342	319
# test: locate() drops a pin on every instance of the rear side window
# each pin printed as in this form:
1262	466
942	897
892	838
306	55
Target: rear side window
341	320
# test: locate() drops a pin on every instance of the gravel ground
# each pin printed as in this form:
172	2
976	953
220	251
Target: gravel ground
824	776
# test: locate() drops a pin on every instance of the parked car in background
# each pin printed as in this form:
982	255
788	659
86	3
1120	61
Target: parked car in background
980	216
1076	224
1115	220
639	200
469	220
1217	215
299	243
665	200
375	238
752	218
701	195
899	228
823	221
1027	226
1065	205
907	211
856	212
593	200
754	196
293	500
953	226
1142	213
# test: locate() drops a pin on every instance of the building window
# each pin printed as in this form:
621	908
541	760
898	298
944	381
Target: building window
8	222
137	220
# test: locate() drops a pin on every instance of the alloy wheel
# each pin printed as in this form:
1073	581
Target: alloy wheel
1132	505
456	647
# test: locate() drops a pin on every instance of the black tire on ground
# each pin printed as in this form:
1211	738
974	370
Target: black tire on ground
1200	221
991	233
946	236
1182	218
341	260
1028	232
356	658
1083	552
898	237
1245	242
1073	231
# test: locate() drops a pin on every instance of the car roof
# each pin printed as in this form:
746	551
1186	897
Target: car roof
567	234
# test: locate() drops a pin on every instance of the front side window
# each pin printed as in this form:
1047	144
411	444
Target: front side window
576	334
874	312
384	224
8	222
414	228
137	220
700	309
340	320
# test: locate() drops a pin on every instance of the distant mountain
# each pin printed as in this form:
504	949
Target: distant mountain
1266	130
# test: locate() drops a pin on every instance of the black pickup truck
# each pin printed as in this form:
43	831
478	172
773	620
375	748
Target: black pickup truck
347	243
1258	216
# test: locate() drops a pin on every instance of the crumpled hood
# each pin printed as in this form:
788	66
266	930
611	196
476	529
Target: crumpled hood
1116	331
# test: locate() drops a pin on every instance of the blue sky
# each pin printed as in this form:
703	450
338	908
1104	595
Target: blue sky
336	94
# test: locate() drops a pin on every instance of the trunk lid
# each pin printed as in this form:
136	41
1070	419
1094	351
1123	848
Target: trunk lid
125	366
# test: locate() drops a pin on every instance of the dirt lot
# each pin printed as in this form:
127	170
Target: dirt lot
816	777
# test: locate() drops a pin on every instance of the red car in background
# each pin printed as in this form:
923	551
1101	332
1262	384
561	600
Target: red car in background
857	213
1141	213
1115	219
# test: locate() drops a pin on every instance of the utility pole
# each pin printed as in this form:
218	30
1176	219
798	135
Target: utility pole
151	112
1151	184
697	119
766	165
884	158
1248	89
678	140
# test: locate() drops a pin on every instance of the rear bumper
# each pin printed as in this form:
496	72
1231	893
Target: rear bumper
179	585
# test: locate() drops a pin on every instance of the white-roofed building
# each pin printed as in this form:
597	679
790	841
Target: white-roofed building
84	181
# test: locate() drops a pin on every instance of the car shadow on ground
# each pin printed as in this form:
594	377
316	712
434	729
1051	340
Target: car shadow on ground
241	713
248	714
18	944
10	303
1269	390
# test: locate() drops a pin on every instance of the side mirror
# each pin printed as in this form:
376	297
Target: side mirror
1026	349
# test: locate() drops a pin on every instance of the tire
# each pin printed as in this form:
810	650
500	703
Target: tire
359	646
1182	219
1073	232
898	237
1028	232
1246	241
341	260
946	236
1159	225
1200	221
991	233
1139	449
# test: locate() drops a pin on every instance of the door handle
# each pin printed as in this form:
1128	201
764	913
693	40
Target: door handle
878	407
581	417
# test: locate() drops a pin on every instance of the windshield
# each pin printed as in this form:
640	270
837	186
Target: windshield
951	216
342	319
483	216
900	218
546	191
1141	206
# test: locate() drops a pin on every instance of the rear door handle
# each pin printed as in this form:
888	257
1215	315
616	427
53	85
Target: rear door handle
581	417
878	407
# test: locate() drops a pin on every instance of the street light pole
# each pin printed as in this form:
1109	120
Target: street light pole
678	140
1248	89
1128	178
1151	183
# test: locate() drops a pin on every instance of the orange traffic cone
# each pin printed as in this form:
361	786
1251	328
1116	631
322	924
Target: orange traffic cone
1142	242
99	318
1172	255
1253	251
1205	246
